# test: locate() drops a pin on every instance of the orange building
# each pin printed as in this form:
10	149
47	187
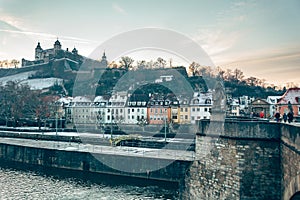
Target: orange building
291	98
159	112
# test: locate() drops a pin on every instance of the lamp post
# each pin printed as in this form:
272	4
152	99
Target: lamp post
56	123
165	130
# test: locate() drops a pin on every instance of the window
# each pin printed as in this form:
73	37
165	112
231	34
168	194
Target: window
186	109
108	110
181	109
138	110
186	117
132	117
207	101
193	109
193	118
108	117
198	109
132	109
128	111
205	109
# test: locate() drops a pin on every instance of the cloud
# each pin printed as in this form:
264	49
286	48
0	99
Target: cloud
215	42
47	36
118	9
277	65
12	21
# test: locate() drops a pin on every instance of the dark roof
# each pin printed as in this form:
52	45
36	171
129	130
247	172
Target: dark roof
57	42
38	46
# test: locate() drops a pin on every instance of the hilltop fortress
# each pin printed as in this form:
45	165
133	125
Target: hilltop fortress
56	62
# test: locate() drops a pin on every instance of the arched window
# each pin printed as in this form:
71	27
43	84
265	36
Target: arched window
208	101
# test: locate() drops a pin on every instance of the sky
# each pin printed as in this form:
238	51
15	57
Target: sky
262	38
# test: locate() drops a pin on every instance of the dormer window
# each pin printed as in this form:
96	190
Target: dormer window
207	101
196	101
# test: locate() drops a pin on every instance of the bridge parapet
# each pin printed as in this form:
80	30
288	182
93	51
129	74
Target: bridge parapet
245	160
240	129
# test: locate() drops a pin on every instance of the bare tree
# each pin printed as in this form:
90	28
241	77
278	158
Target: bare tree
160	63
141	64
18	101
126	62
238	75
193	68
15	62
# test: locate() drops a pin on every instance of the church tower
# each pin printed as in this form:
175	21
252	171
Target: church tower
75	51
38	52
103	61
57	46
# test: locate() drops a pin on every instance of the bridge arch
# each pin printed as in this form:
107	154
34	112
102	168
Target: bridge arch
296	196
292	192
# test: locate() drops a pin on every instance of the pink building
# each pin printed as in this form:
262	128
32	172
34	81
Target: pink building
292	97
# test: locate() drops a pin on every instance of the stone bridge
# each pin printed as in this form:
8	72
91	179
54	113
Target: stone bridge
233	160
248	160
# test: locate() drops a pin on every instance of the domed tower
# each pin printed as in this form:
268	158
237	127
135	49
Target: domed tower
57	45
38	52
103	60
75	51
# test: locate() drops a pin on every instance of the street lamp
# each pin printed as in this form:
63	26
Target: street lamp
56	123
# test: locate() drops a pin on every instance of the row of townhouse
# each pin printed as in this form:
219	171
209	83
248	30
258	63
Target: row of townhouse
134	109
245	105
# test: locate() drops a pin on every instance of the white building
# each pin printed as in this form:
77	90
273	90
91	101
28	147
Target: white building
115	112
234	107
273	100
200	106
99	111
245	102
136	109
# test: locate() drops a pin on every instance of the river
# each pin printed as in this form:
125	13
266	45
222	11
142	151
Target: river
28	184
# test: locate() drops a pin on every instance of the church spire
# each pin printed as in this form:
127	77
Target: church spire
104	56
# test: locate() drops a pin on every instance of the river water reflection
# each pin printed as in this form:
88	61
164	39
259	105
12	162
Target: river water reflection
25	184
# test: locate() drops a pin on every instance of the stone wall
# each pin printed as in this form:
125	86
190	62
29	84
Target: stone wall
235	169
246	160
290	153
172	171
